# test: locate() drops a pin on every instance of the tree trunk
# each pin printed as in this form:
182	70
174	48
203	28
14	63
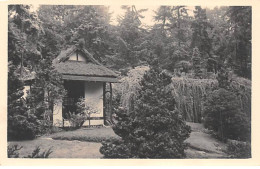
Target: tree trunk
178	25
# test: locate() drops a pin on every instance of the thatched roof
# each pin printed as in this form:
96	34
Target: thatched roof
91	68
83	69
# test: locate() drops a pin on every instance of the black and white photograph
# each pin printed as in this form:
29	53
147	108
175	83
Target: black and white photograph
129	81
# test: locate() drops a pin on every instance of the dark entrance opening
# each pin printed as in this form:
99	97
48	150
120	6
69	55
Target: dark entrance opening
75	91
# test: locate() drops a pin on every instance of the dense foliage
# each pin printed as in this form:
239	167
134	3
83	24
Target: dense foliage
46	90
238	149
223	111
200	38
153	128
223	114
22	123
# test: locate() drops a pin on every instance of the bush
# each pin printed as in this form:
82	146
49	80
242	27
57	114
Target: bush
45	127
22	127
37	153
76	120
222	114
12	151
238	149
22	122
152	128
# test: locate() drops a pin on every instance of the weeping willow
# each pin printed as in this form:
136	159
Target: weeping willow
191	93
129	86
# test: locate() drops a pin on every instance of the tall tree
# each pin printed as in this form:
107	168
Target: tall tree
129	36
163	15
180	23
74	23
240	20
174	23
200	37
23	34
196	63
52	19
220	35
23	50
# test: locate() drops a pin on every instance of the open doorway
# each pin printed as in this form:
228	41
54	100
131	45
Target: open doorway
75	90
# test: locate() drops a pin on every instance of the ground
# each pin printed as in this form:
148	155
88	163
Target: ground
203	145
85	143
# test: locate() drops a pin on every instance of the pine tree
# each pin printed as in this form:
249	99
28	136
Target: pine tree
15	92
170	36
200	36
23	36
21	123
130	36
196	62
153	128
240	21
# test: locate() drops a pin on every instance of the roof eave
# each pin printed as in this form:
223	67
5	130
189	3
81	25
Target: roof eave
91	78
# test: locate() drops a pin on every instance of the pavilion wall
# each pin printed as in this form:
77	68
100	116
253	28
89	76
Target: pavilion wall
93	93
94	98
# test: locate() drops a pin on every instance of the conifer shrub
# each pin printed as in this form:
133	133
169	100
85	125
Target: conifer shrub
222	114
152	128
22	123
22	127
196	63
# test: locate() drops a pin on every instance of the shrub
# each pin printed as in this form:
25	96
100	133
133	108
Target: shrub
22	122
76	120
45	127
152	128
22	126
223	115
238	149
12	151
84	110
37	153
87	108
54	129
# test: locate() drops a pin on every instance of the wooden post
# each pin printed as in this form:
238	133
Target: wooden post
21	68
104	102
110	101
47	112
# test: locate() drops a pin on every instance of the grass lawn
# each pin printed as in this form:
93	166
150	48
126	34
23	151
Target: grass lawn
60	148
80	143
86	134
85	143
